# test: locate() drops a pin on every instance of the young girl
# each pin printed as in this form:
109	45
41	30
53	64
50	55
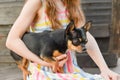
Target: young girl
40	15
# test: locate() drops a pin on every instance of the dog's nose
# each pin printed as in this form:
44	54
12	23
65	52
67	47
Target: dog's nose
83	48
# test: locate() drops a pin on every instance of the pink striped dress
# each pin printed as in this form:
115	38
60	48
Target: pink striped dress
71	68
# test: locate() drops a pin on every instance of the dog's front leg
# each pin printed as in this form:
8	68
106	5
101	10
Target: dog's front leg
53	62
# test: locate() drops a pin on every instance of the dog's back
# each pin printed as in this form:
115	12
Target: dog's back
43	43
47	42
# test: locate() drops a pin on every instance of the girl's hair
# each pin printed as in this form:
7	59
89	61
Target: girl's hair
74	12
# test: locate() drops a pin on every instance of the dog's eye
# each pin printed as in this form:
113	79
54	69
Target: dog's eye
76	42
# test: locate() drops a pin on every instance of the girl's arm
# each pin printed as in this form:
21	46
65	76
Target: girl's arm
95	53
20	26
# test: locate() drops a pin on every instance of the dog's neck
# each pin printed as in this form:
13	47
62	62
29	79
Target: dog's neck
59	38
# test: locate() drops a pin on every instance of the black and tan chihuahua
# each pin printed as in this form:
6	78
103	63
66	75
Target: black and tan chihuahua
50	44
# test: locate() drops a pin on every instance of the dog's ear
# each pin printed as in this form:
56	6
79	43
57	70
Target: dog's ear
87	26
70	27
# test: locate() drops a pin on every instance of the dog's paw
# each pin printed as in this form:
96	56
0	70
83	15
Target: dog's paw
26	72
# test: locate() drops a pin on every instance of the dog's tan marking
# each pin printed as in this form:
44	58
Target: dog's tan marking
75	48
53	62
88	25
56	53
23	65
70	28
80	39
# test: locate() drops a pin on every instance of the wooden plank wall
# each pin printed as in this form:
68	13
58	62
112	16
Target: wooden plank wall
99	11
9	10
115	28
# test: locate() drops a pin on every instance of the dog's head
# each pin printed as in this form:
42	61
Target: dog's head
76	37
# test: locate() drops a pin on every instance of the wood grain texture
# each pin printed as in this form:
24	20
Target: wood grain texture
115	28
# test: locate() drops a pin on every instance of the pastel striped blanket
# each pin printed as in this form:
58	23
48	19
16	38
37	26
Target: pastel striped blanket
71	69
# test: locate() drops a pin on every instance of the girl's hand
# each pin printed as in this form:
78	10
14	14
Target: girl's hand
62	59
110	75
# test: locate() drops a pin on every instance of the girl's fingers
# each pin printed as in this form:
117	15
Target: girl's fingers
62	62
43	63
111	76
63	56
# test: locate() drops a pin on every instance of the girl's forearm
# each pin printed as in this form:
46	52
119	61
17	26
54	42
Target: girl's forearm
19	47
95	53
